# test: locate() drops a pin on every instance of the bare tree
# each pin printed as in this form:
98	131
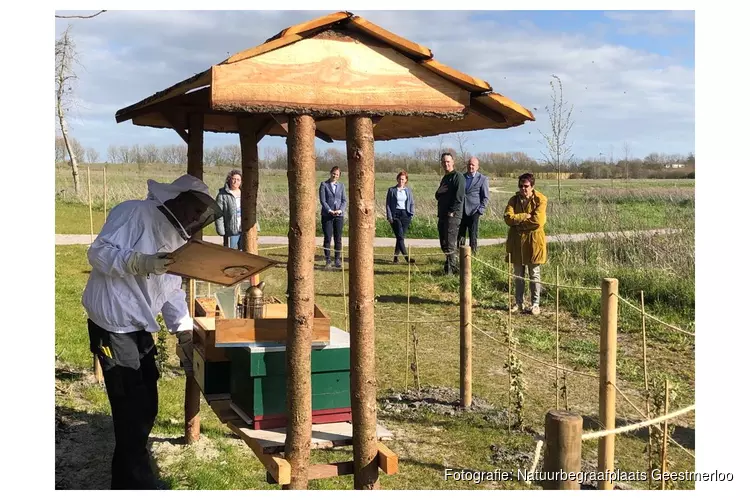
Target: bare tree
558	149
92	155
626	151
65	60
461	142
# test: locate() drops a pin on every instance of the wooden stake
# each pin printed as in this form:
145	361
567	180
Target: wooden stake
91	211
343	292
408	315
510	306
562	434
250	181
557	337
607	377
192	389
665	434
645	385
301	286
360	152
466	323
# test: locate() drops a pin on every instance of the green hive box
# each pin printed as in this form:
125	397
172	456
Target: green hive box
258	382
212	376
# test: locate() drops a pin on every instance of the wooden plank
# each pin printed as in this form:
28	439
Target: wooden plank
462	79
261	49
335	75
279	468
264	129
172	119
387	459
314	24
216	264
324	436
500	103
486	112
232	331
322	471
402	44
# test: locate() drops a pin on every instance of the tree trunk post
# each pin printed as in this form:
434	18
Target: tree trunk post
301	286
360	150
466	323
562	434
607	377
250	182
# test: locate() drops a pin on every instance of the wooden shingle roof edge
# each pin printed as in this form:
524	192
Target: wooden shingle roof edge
342	19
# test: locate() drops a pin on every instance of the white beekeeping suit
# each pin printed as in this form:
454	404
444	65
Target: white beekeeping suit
119	296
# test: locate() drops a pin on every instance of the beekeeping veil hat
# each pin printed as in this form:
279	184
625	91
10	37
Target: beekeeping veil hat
186	202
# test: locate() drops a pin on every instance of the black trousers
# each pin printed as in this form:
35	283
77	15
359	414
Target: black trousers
470	223
332	226
130	375
400	226
448	231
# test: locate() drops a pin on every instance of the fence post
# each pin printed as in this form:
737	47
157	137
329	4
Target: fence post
466	320
607	378
562	435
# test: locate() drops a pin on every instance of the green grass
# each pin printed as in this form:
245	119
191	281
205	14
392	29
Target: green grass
588	205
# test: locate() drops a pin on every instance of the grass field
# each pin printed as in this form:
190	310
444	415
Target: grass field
588	205
429	437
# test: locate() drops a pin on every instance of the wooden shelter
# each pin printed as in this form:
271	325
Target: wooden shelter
337	77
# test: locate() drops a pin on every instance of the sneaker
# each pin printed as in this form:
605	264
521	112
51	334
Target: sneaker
395	260
515	308
327	266
337	265
411	261
535	310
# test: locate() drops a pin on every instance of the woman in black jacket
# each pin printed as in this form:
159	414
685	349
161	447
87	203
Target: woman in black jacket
399	209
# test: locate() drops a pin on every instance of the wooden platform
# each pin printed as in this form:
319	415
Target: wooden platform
268	445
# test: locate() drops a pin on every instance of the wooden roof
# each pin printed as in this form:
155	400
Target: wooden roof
331	67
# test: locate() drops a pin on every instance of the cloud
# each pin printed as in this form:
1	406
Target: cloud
619	93
657	24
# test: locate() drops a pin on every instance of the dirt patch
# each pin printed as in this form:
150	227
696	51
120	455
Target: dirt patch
437	400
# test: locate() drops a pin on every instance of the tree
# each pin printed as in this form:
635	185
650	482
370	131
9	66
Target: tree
558	149
626	151
462	143
92	155
65	59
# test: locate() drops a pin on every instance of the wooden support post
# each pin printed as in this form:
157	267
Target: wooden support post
557	337
466	322
360	151
664	435
192	389
607	377
91	210
301	286
250	181
645	387
562	433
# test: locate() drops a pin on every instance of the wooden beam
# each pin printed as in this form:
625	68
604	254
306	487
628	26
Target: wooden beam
172	119
262	49
250	182
322	471
387	459
194	102
279	468
467	82
264	129
301	289
376	120
319	22
199	80
360	152
401	44
486	112
323	136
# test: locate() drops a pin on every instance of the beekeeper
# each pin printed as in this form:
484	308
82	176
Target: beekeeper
125	292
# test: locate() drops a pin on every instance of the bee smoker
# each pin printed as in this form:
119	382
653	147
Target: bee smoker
253	301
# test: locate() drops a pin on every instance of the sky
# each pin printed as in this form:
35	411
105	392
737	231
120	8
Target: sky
629	75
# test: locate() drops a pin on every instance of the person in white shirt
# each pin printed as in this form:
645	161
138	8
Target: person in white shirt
399	210
127	288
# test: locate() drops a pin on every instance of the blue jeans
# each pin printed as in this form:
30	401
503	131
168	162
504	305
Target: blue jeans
232	241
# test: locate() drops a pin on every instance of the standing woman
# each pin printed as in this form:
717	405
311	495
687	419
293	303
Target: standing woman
229	224
399	209
332	206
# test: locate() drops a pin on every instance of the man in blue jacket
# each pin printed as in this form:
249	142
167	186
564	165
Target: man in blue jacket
475	203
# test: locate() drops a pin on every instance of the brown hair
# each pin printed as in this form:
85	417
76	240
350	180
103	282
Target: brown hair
527	177
334	168
231	174
403	172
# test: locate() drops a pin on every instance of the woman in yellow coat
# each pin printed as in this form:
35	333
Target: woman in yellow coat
526	214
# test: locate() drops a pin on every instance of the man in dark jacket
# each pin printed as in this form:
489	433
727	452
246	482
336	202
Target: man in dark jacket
450	197
475	203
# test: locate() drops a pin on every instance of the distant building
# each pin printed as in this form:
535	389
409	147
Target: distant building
674	165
